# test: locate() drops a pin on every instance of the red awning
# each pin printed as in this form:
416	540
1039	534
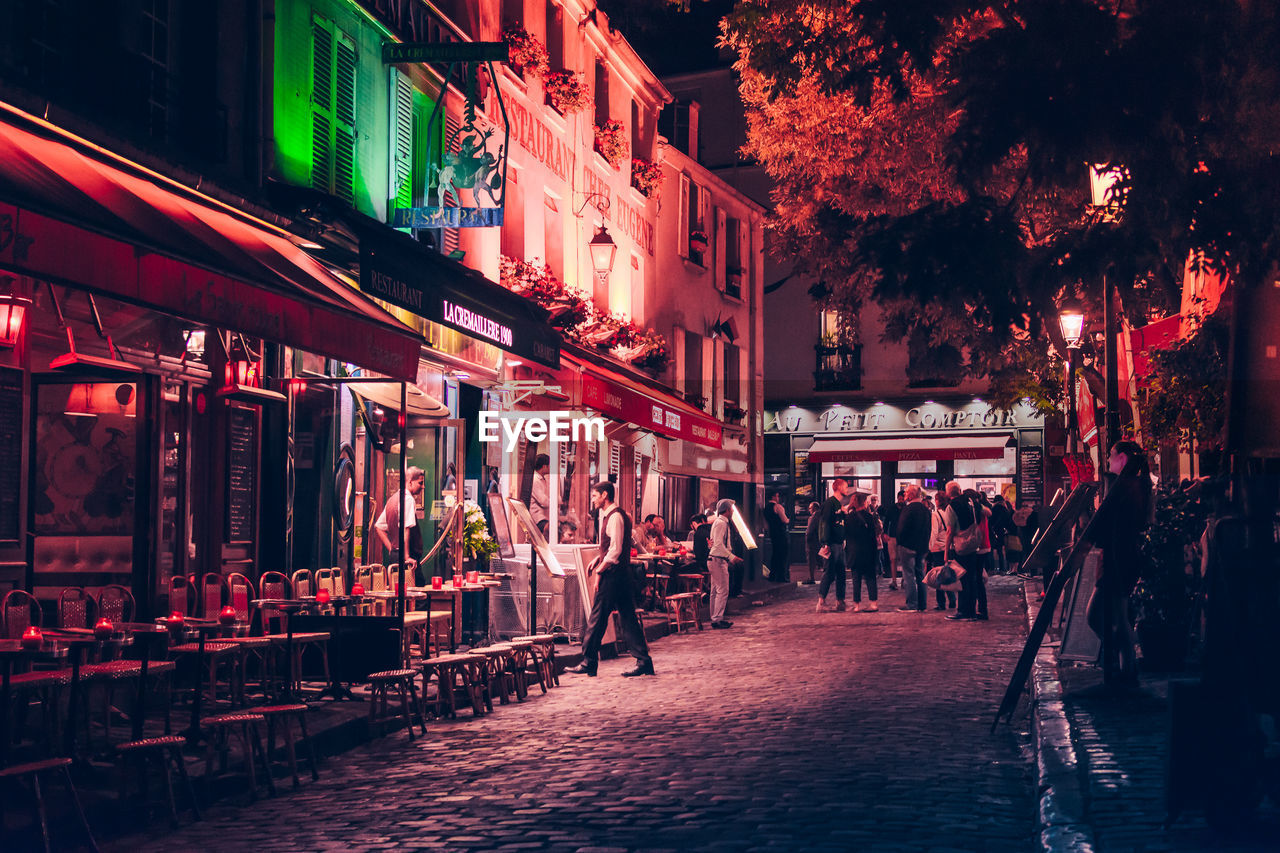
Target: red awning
907	449
79	220
621	397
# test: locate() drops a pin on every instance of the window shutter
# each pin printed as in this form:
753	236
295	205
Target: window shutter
450	238
321	105
744	256
684	227
344	136
704	205
402	189
718	248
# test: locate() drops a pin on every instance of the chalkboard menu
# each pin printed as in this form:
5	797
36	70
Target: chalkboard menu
242	465
10	453
1031	475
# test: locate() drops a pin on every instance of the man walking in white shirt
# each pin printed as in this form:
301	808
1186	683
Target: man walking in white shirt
718	564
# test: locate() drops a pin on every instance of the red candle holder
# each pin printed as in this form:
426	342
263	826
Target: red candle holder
322	596
32	638
473	577
635	552
457	580
104	629
662	552
437	582
357	589
227	616
176	620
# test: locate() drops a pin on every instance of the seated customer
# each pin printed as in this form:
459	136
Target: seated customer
658	534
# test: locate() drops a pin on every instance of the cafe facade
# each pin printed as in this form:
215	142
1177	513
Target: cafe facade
879	448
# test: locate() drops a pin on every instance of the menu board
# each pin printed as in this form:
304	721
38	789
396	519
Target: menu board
10	453
1031	476
242	469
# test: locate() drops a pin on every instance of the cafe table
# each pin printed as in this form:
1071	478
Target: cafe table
335	688
12	651
144	635
287	606
203	628
79	644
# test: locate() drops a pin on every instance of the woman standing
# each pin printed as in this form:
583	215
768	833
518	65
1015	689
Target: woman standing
779	556
1117	530
811	543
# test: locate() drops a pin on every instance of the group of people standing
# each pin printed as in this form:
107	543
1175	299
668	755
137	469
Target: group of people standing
958	526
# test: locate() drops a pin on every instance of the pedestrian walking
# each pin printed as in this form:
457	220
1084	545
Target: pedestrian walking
1117	529
812	543
913	532
718	563
831	534
862	545
775	515
938	546
614	587
964	538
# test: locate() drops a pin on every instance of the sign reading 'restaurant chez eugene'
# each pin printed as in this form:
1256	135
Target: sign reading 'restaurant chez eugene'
927	417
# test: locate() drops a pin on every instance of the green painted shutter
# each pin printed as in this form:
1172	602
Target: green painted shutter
321	105
402	186
344	136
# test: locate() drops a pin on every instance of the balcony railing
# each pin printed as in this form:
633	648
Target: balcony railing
838	367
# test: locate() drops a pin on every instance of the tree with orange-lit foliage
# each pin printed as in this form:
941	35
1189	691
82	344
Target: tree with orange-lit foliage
930	156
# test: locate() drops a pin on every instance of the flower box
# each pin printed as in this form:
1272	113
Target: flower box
647	177
567	91
698	241
611	141
525	52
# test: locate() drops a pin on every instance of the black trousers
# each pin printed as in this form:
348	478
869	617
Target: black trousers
780	559
973	589
616	592
865	571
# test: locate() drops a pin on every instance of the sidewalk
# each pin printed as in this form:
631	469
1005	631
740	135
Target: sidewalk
1101	760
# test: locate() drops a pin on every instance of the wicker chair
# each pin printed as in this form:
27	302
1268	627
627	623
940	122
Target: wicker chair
75	608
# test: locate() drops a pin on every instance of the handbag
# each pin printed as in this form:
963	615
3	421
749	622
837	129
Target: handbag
1013	542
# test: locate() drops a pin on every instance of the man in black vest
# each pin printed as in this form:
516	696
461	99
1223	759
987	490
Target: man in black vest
611	569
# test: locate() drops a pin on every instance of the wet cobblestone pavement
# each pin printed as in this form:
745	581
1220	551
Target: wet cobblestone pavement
792	731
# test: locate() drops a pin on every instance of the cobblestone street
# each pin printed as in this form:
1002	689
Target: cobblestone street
792	731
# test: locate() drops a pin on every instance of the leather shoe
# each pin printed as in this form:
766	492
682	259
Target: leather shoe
641	669
723	623
583	668
959	617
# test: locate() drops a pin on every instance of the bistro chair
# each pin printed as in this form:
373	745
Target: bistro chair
403	681
276	622
244	726
259	648
378	583
116	604
303	584
213	595
468	672
182	595
364	577
337	581
75	607
277	716
165	751
543	656
19	610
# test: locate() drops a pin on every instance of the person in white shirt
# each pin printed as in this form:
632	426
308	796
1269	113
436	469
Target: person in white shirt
392	521
540	501
615	588
718	564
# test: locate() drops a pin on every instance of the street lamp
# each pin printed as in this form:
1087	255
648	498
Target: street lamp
603	250
1071	322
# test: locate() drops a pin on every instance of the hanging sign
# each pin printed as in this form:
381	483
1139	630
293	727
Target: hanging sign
468	161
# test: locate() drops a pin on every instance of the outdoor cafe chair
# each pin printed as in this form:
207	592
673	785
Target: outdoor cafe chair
259	648
276	585
19	611
75	607
116	604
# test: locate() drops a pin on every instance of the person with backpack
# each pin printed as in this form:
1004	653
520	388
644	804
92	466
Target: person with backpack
964	538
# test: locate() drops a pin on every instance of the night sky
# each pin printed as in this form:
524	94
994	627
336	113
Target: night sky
669	40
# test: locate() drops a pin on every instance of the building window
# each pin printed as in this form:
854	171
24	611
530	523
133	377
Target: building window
734	257
512	13
555	37
693	241
553	231
155	57
333	110
732	374
692	368
602	93
675	124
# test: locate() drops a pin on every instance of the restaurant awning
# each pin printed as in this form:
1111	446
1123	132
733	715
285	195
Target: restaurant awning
907	449
111	227
629	401
403	272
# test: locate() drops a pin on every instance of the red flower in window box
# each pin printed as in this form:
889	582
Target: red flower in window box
611	141
526	53
567	91
647	177
698	241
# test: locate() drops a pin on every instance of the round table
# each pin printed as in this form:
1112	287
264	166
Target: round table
11	651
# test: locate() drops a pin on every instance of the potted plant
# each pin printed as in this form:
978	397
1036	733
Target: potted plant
647	177
698	241
696	400
1163	599
525	52
567	91
611	141
734	413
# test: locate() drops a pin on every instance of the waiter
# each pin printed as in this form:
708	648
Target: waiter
615	588
393	521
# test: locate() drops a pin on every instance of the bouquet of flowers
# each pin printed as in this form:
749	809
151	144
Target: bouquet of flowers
647	177
611	141
567	91
476	541
526	52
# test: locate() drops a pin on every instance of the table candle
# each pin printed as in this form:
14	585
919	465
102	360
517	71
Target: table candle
457	581
357	589
322	596
437	582
32	638
103	629
227	616
473	577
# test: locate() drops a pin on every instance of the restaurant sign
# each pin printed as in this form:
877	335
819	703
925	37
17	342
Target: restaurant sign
626	404
926	417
